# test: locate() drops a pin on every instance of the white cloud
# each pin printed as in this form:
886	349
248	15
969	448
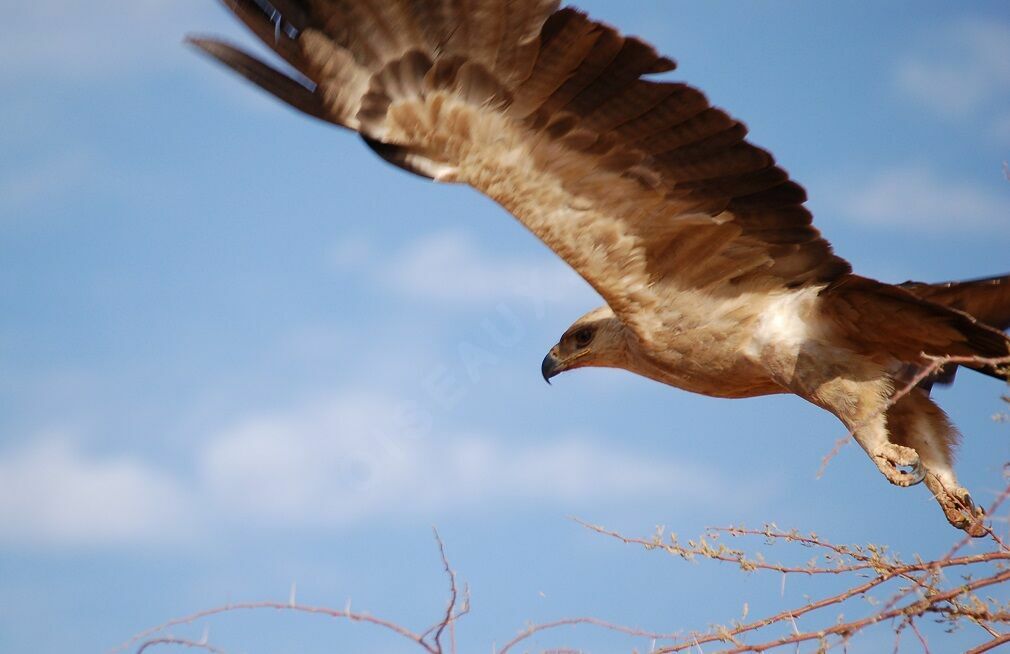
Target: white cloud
52	493
947	90
353	458
916	196
338	460
961	71
450	267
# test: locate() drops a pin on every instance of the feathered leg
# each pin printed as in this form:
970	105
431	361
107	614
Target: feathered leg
910	442
861	404
915	421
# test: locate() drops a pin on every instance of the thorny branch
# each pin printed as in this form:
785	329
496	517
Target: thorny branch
430	640
950	603
451	614
178	642
150	637
927	591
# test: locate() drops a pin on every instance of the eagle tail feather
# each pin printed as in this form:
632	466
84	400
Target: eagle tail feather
894	319
987	299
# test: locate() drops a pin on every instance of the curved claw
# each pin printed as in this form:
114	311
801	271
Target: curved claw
901	465
966	515
958	507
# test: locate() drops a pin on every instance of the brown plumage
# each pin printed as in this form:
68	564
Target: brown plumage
988	300
714	278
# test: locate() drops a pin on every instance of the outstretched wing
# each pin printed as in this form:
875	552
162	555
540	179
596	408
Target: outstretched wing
647	191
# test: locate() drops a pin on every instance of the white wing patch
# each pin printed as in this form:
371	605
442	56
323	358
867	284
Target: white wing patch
787	321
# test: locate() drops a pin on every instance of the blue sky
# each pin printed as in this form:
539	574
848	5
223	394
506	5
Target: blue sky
238	352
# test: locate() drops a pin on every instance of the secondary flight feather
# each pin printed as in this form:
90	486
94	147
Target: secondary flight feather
715	280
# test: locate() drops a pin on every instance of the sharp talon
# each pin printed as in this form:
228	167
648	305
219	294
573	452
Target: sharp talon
968	505
919	472
960	509
901	465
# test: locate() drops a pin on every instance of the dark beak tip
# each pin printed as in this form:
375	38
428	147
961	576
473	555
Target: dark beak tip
549	368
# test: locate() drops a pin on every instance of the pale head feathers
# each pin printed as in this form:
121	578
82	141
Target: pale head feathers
598	339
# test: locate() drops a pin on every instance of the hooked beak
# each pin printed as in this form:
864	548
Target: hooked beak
551	367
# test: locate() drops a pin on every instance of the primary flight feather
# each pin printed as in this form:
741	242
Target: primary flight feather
714	279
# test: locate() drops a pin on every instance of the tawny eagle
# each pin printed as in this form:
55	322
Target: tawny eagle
714	279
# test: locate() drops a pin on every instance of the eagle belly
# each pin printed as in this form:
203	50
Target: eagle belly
750	345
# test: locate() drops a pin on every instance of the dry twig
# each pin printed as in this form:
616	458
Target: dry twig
927	593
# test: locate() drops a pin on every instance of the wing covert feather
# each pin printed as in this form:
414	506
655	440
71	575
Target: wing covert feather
640	185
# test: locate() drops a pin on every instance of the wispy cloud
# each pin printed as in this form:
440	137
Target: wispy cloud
961	71
351	458
450	267
917	196
337	460
54	493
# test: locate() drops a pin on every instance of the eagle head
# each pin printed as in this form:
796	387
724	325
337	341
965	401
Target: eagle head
597	339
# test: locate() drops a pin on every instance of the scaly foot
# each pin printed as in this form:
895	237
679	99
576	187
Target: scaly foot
900	464
958	506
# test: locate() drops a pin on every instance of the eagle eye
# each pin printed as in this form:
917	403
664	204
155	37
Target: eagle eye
583	337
